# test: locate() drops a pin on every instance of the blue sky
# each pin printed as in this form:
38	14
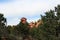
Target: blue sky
13	10
5	1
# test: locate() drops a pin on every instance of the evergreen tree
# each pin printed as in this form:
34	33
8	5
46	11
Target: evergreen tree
3	31
49	25
57	10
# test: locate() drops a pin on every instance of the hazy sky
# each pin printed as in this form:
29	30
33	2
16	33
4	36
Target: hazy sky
13	10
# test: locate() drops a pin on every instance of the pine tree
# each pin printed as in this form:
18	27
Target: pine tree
57	10
48	28
3	31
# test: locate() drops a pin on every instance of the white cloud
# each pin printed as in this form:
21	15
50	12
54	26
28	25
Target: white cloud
26	8
13	21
